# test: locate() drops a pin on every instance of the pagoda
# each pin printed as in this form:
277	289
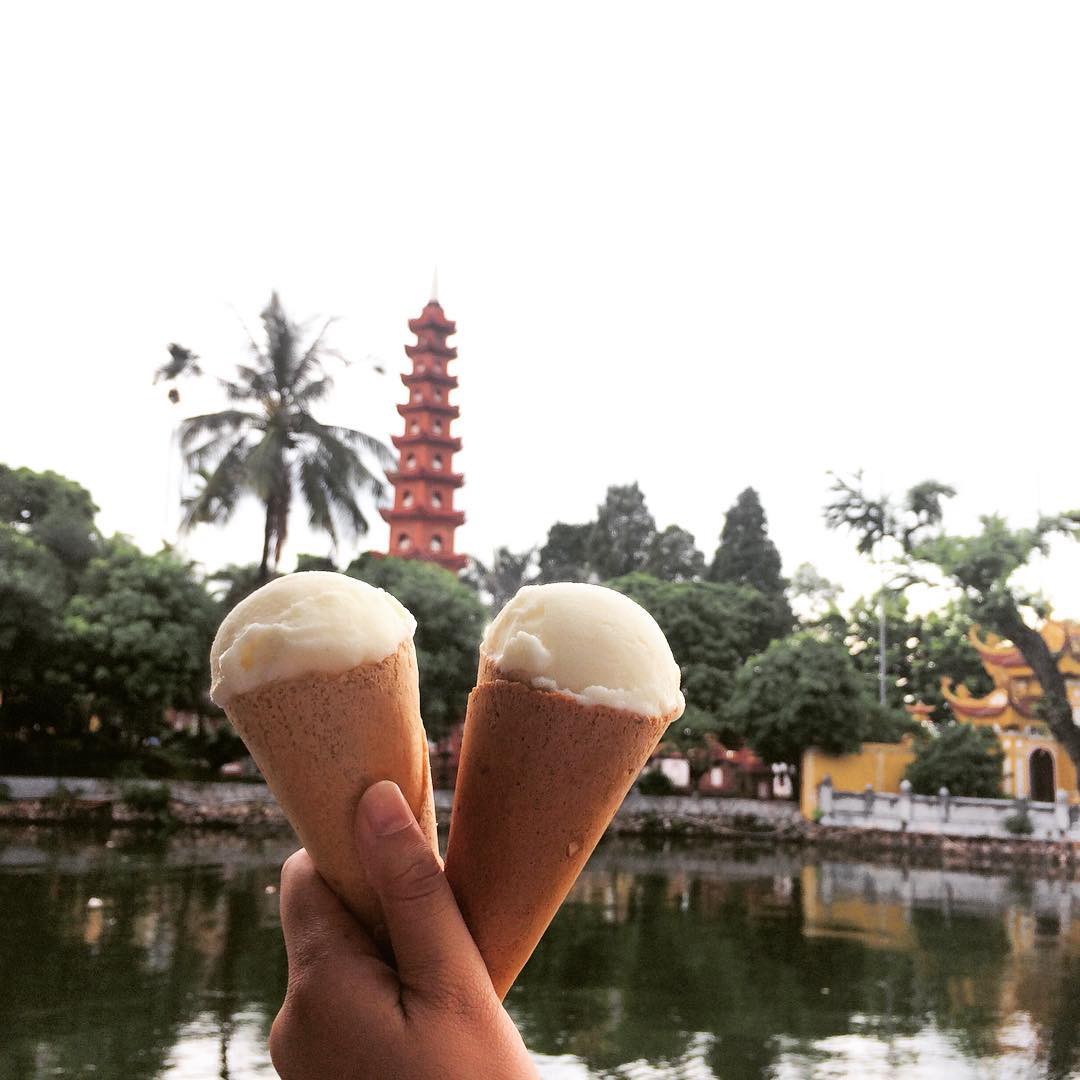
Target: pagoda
423	519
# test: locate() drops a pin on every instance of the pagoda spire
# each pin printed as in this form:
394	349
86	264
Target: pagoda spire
423	519
435	287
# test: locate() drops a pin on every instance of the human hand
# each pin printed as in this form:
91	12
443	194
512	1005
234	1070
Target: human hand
349	1015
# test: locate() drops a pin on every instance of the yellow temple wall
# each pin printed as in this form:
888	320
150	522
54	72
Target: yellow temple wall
881	765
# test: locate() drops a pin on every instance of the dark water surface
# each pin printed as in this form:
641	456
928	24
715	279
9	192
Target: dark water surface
140	960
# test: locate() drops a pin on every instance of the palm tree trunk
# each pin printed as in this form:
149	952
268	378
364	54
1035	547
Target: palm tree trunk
268	532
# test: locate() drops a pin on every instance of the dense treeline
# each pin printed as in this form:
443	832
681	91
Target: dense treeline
103	648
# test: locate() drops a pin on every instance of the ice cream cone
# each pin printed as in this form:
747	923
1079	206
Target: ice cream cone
540	778
541	774
317	673
321	740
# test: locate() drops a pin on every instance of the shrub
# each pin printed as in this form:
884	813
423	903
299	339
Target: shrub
655	782
965	759
60	799
5	792
1019	824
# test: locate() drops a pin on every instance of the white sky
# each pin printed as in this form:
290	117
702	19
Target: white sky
696	245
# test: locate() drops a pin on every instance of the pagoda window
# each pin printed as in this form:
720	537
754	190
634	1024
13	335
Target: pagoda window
420	369
436	543
407	499
437	367
438	394
437	427
414	428
436	462
436	500
417	396
410	462
404	543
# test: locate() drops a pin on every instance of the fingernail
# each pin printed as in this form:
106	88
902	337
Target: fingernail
385	808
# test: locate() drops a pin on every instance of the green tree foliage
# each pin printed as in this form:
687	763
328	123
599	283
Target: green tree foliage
139	628
746	556
818	594
961	757
623	533
673	556
500	581
800	692
450	620
233	583
269	445
307	563
980	566
712	629
565	554
52	510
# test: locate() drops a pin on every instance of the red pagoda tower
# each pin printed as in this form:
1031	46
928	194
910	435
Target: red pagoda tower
423	519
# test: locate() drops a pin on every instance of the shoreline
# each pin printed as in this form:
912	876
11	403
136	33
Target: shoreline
644	818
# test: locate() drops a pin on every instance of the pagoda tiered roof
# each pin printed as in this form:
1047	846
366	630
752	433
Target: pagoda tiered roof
427	438
427	347
427	513
441	407
416	378
433	318
454	480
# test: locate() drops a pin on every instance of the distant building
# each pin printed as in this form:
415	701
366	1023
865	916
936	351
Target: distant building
423	519
1035	765
737	774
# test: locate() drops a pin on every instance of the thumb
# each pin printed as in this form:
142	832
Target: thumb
433	948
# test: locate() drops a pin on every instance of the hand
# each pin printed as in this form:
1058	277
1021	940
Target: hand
349	1015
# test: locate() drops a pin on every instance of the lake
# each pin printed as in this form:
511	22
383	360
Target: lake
145	959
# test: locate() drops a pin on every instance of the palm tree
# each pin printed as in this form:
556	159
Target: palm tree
271	446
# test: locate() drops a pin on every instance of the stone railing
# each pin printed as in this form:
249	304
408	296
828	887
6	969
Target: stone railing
196	793
946	814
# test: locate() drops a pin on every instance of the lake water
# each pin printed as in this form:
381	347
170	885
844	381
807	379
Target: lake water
140	960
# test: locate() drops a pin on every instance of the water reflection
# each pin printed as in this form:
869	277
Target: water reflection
137	962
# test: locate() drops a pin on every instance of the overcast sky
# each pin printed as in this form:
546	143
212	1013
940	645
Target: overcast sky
699	246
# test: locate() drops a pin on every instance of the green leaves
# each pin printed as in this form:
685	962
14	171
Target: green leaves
800	692
450	621
277	448
961	757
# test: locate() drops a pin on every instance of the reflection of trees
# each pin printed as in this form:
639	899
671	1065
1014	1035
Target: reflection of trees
735	964
960	961
113	987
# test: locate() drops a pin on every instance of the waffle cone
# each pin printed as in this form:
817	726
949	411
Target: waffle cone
541	775
322	740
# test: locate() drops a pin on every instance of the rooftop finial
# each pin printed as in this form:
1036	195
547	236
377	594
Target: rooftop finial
435	287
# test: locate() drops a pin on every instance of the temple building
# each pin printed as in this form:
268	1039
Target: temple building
1036	765
422	518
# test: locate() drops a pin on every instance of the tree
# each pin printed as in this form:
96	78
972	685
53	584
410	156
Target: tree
800	692
980	567
52	510
139	629
673	556
746	556
269	444
818	594
919	650
564	556
622	534
508	572
712	629
449	622
961	757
